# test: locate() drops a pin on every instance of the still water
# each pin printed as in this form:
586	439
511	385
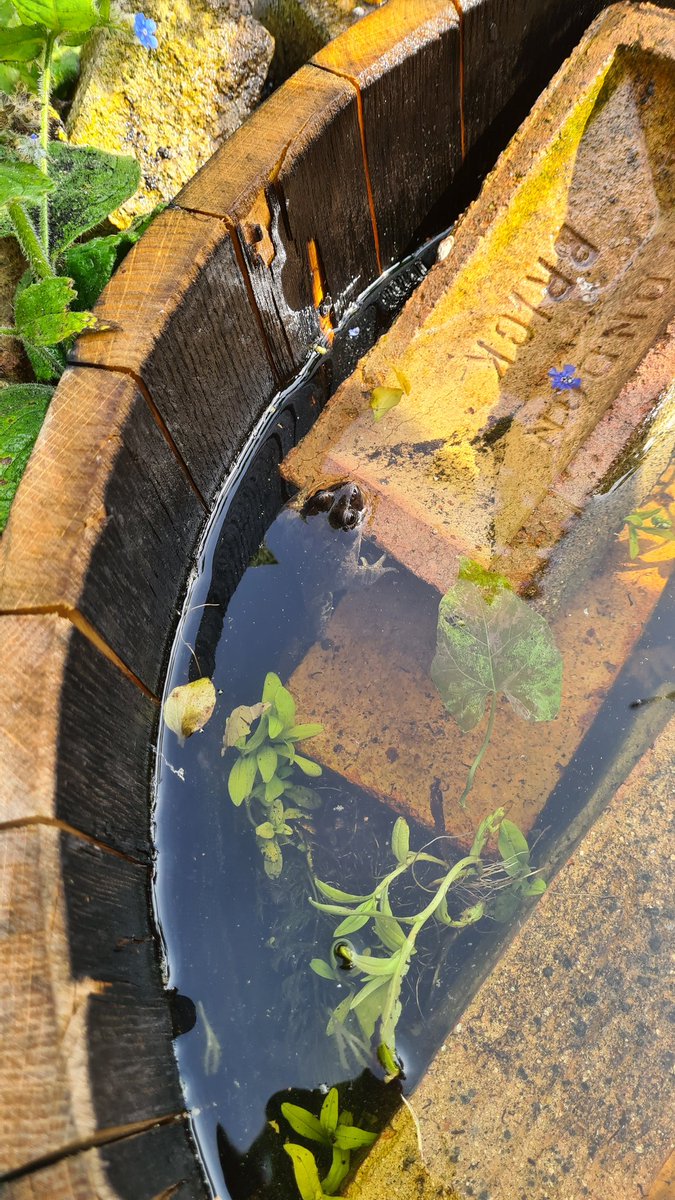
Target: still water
297	591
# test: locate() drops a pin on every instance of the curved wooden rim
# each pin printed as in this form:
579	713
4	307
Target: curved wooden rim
215	308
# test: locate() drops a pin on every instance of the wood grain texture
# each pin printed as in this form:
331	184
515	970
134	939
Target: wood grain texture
76	735
104	522
86	1032
158	1164
292	174
511	44
405	60
186	328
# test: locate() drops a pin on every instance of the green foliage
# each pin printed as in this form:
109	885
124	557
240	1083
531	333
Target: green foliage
489	582
59	16
42	313
376	1003
21	43
21	182
92	264
652	521
489	646
89	184
22	410
334	1131
264	776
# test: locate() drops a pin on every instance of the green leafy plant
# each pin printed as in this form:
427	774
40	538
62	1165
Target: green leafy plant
54	195
652	521
264	776
377	1002
336	1133
489	641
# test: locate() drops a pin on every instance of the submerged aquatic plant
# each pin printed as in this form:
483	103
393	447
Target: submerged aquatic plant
377	1002
651	521
333	1130
490	642
264	775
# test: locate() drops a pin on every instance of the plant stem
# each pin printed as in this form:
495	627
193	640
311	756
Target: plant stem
479	757
29	241
6	331
44	88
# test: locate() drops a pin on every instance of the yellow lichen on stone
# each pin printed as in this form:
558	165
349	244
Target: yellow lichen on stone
170	108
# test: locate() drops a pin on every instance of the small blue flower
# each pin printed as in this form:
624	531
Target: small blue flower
145	29
565	380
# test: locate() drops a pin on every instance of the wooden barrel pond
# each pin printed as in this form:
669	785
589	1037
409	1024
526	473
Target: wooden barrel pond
365	151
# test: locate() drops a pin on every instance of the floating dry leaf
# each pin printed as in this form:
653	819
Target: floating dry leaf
384	398
238	724
189	707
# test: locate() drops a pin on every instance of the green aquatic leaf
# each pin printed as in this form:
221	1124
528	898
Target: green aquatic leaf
488	827
389	1061
273	859
333	893
348	1137
352	924
271	687
241	779
389	931
298	733
489	582
265	831
305	1171
322	968
400	840
273	789
339	1171
513	847
533	887
303	796
305	1123
330	1111
238	724
284	706
307	766
383	399
267	759
22	411
485	648
75	16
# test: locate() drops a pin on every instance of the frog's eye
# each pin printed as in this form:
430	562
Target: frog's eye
343	952
351	519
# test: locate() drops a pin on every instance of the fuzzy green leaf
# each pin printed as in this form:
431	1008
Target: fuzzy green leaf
21	43
241	779
42	314
513	848
91	264
22	411
76	16
305	1171
485	648
22	181
90	184
305	1123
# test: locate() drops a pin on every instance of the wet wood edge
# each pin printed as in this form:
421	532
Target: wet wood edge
130	458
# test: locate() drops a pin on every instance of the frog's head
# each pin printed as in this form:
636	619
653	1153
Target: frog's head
344	502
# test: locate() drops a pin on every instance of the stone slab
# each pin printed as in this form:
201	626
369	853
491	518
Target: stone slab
170	108
568	256
368	681
557	1083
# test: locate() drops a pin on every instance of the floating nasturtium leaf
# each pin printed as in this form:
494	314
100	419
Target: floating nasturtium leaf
384	398
189	707
484	648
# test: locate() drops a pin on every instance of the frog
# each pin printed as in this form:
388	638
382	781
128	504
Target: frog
346	508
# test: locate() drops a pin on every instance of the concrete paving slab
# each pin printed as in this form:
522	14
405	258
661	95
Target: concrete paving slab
557	1083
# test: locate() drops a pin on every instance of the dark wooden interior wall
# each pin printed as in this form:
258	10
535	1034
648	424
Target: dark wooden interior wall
215	309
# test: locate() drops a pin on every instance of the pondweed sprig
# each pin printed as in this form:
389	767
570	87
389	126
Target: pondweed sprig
333	1130
265	773
377	1002
651	521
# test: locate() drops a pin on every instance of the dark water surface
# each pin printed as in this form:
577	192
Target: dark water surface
249	1014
